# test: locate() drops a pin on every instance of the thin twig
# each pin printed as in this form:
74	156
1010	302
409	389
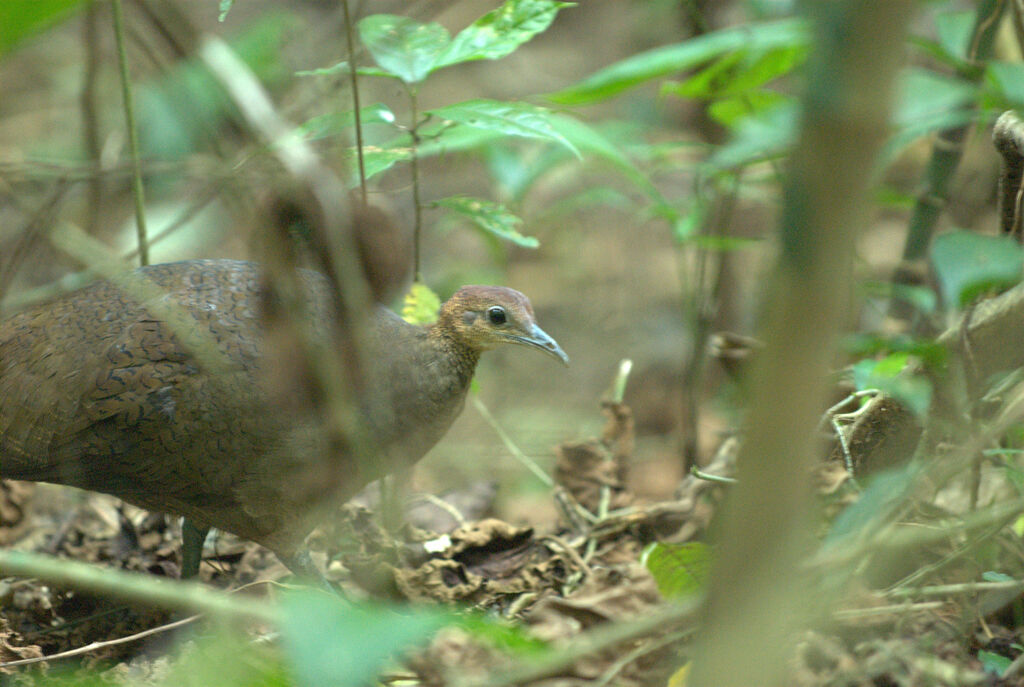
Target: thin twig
415	171
530	464
358	117
896	609
954	589
100	645
569	551
699	474
133	134
448	508
592	641
639	652
88	102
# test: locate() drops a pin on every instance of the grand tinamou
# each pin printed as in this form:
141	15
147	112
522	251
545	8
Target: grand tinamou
97	391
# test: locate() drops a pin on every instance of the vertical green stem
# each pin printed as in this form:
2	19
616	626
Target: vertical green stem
133	135
946	155
90	114
414	165
354	79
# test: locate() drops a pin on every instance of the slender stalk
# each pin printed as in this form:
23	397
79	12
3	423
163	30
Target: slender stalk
90	116
700	309
133	134
354	82
185	596
415	167
947	152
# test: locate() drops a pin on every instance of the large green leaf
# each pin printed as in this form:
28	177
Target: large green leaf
738	73
679	570
968	265
591	141
19	19
510	118
341	123
923	93
501	31
378	160
763	135
490	217
1008	77
332	643
954	32
890	376
671	59
406	48
884	494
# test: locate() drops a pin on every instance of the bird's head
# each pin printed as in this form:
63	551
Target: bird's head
483	317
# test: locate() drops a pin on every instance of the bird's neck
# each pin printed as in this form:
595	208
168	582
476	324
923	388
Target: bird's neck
462	358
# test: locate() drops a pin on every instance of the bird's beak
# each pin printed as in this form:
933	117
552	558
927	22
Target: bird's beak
538	338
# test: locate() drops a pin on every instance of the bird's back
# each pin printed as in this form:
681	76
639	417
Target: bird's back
99	392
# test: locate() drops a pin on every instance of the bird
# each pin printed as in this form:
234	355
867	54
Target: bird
104	390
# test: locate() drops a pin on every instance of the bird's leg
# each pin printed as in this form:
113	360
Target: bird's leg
302	566
394	490
193	537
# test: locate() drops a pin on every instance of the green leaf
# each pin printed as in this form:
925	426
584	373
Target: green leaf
920	297
968	265
338	123
330	642
378	160
1009	78
994	576
510	118
888	376
993	663
509	637
493	218
884	494
761	136
421	305
499	32
864	344
591	141
738	73
691	222
679	570
224	6
954	31
672	59
224	657
404	47
20	19
924	94
729	111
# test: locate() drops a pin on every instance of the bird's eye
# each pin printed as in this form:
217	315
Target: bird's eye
496	315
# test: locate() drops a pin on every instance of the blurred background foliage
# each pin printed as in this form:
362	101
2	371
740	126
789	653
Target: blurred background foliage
618	162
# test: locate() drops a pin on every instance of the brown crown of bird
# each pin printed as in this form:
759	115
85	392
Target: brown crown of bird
114	389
